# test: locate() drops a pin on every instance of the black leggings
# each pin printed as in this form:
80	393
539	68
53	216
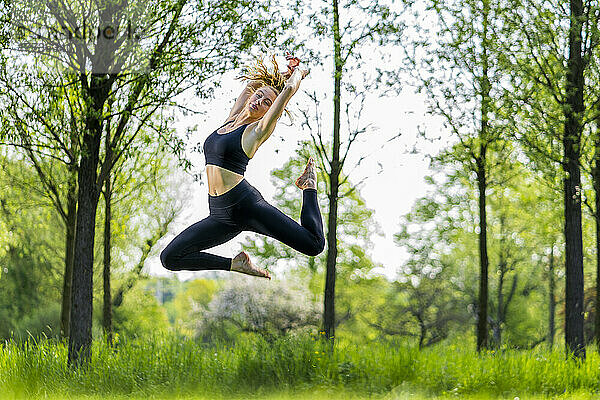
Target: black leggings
243	209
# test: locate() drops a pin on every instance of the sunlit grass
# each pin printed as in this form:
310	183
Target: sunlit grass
314	395
166	367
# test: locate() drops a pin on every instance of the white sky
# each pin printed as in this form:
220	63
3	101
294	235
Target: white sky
390	194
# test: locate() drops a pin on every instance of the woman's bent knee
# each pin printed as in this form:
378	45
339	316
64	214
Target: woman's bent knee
168	260
317	247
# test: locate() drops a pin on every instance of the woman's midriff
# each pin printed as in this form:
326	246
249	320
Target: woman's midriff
221	180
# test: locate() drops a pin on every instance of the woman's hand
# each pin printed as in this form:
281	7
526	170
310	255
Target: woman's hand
293	79
293	63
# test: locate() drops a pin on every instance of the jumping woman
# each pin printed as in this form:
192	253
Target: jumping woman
234	204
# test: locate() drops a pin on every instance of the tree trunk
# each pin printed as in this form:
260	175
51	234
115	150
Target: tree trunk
329	301
500	315
502	269
65	312
422	333
574	262
482	329
551	299
80	339
107	306
572	183
596	182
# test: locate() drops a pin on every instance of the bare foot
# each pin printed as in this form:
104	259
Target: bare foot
241	263
308	179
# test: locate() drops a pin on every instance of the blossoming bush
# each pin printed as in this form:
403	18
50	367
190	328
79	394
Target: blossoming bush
270	309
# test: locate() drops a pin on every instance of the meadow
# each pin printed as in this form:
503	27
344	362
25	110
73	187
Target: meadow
298	367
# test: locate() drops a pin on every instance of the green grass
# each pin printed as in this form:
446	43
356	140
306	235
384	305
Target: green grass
294	367
307	395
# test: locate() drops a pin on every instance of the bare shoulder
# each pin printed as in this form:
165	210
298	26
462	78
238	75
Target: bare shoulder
223	127
250	139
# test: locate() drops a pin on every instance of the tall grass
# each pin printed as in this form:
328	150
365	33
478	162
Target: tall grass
171	366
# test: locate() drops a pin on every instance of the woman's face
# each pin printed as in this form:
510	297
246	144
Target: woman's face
261	101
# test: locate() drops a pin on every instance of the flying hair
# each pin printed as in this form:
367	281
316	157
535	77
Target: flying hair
261	73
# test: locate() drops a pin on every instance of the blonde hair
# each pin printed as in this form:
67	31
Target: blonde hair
261	73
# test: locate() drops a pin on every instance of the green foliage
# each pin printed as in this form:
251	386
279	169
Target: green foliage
190	302
43	321
137	183
138	220
358	302
140	315
32	239
166	289
427	309
440	234
30	246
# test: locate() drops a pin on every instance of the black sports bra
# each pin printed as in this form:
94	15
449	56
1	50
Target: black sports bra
225	150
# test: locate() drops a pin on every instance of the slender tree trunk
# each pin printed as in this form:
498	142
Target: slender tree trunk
329	301
107	306
502	269
482	328
500	315
596	179
551	299
572	183
65	312
80	338
422	333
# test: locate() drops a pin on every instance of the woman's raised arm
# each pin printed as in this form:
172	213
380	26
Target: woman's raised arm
266	125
